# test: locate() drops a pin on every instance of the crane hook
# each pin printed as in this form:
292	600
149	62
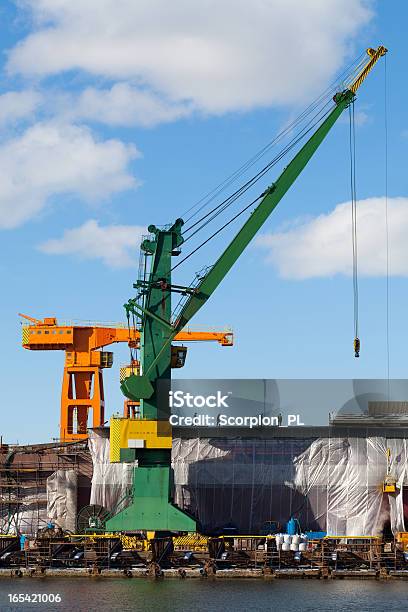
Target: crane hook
356	347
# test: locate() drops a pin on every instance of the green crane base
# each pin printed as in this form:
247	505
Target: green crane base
151	509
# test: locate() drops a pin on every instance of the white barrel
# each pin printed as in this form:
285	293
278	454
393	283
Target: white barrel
294	546
303	546
279	540
287	538
295	539
286	546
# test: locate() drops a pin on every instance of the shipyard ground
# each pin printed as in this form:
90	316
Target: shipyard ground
195	573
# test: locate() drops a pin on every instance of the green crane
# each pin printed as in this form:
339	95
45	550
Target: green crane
151	507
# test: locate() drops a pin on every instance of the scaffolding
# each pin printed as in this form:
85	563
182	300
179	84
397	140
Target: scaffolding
24	471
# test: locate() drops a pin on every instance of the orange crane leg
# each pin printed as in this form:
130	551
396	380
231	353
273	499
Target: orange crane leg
82	396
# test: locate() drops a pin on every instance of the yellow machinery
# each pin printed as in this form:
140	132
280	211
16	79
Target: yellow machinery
390	482
137	433
402	538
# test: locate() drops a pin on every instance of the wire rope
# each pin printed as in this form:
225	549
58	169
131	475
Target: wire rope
352	147
347	74
387	227
246	207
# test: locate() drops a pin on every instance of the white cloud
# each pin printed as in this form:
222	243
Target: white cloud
220	55
124	104
361	117
51	159
322	246
115	245
16	105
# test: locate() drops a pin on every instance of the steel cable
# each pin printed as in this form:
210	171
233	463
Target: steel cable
246	207
348	73
352	148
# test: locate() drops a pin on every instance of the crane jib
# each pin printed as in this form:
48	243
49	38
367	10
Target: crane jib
256	220
261	213
258	217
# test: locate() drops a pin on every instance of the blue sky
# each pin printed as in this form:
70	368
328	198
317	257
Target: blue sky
110	121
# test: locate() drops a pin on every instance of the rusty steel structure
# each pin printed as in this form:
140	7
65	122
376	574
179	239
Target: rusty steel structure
24	471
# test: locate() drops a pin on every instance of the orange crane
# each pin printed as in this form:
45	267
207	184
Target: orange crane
85	359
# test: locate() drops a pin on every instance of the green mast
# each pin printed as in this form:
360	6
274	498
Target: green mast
152	508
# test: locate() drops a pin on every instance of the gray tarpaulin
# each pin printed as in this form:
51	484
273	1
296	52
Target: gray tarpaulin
29	515
110	481
62	499
350	472
333	484
28	507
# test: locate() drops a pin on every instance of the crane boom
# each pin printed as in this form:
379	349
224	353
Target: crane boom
270	199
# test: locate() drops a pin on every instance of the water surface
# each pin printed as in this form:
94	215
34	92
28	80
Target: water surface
227	595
